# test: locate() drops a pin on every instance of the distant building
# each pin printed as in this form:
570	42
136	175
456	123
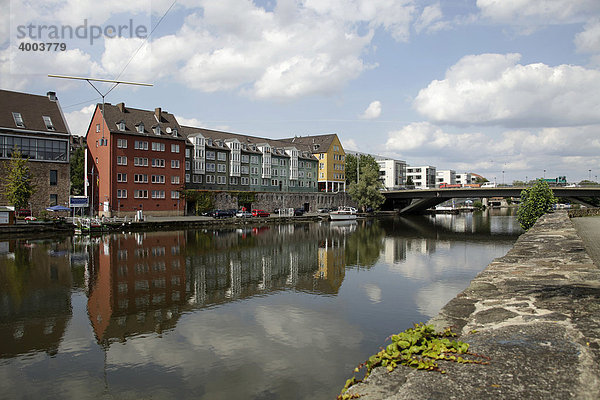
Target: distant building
392	172
465	178
331	157
423	177
446	176
36	126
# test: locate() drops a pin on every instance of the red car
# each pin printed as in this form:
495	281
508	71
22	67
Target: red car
260	213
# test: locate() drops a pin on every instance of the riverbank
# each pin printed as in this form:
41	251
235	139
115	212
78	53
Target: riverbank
535	312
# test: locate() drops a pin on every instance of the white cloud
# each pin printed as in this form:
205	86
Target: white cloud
430	19
373	292
493	89
588	41
349	144
373	111
529	15
79	120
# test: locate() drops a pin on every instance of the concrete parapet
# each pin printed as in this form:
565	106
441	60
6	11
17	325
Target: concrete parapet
535	312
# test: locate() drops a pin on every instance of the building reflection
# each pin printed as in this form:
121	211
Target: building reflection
136	285
35	295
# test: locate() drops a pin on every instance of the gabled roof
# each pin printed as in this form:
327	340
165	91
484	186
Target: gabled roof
246	139
316	143
114	114
32	108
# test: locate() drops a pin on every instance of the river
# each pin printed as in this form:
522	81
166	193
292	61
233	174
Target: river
265	312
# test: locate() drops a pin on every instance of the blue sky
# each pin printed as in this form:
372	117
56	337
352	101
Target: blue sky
479	86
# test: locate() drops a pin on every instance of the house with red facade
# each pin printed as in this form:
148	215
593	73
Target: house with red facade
135	160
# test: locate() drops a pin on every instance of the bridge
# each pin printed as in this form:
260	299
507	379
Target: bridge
416	201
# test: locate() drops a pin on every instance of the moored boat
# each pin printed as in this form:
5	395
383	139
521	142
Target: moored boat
343	214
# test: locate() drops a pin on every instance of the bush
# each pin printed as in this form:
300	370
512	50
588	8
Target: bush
536	201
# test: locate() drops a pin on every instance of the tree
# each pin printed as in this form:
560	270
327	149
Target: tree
409	181
350	169
536	201
367	192
77	171
17	184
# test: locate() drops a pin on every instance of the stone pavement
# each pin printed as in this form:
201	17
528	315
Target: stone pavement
535	312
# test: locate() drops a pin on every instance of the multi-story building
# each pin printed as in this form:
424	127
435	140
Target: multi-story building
447	176
231	161
423	177
464	179
135	160
35	125
332	160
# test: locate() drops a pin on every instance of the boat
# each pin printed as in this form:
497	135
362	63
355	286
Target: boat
87	225
343	214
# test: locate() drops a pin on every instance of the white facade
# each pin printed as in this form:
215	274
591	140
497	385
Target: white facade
423	177
464	178
392	173
446	176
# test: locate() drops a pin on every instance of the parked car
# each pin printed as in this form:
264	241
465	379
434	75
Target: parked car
243	214
223	213
260	213
298	212
488	185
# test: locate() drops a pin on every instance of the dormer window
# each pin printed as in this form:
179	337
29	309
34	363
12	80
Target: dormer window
18	119
175	132
156	129
209	142
121	126
140	128
48	123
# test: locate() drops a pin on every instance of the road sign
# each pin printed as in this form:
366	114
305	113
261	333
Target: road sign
78	201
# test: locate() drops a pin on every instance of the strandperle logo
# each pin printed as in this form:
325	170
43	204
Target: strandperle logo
84	31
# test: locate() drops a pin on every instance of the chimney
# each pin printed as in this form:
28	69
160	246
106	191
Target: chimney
51	96
157	111
121	107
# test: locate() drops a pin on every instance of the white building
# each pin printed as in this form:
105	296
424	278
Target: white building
446	176
465	178
423	177
392	173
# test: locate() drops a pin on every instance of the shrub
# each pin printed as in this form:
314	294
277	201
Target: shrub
536	201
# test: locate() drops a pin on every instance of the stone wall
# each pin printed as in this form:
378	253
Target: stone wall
584	212
271	201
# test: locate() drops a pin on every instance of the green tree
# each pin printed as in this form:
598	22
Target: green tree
536	201
409	181
350	169
367	192
77	171
18	187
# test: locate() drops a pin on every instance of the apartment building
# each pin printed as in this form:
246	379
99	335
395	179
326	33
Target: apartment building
332	160
447	176
423	177
135	160
465	178
35	125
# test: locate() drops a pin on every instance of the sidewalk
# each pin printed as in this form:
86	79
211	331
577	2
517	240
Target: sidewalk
535	312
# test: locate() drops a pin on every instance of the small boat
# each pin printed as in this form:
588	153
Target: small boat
343	214
88	225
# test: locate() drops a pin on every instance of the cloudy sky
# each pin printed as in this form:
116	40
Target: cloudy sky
472	85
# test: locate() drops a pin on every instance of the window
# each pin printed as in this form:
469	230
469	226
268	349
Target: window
187	165
174	163
122	143
221	156
158	162
141	145
121	193
141	194
233	180
19	120
156	130
158	179
158	194
121	160
53	199
187	178
158	146
174	148
140	178
140	128
274	182
210	179
175	180
187	153
121	177
174	194
254	160
254	170
221	180
121	125
254	181
321	165
140	161
210	155
245	158
97	128
221	168
245	169
53	177
48	123
244	180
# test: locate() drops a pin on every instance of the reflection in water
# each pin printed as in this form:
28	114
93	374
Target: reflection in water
182	314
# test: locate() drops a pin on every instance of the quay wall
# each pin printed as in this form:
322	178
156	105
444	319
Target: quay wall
535	312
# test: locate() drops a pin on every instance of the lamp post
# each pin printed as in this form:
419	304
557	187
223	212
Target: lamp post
502	178
544	174
590	172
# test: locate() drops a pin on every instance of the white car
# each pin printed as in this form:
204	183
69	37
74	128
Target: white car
488	185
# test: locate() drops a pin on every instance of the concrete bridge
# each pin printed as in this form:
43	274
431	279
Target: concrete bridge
416	201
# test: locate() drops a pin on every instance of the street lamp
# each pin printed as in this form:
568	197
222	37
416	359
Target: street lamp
502	178
544	174
590	172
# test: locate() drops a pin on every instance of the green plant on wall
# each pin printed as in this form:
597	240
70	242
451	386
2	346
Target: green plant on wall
18	187
203	201
244	197
536	201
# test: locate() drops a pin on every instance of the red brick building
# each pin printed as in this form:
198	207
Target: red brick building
135	160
